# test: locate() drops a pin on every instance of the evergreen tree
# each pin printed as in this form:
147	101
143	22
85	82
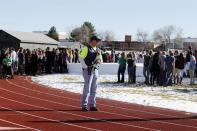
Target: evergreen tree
53	33
90	26
83	33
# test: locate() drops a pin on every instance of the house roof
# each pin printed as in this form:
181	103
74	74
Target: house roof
32	37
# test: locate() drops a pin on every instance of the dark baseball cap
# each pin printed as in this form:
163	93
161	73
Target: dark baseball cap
94	38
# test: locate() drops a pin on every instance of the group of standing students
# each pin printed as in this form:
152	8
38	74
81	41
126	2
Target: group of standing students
130	62
161	68
169	68
35	62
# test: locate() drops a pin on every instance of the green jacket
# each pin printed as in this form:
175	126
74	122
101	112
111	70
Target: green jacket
122	62
7	62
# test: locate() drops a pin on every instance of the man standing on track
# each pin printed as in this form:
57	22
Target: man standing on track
90	57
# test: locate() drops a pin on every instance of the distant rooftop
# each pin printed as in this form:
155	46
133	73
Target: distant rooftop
31	37
192	40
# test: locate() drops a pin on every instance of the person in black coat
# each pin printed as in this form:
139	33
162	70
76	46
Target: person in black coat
34	63
28	62
48	63
155	68
21	62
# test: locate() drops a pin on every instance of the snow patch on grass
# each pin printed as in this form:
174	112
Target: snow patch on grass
183	98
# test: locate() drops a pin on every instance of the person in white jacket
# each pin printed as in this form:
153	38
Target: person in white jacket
14	58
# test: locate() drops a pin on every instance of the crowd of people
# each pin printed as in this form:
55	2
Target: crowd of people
35	62
161	68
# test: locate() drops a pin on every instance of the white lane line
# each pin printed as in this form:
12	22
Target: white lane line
111	107
11	128
26	127
128	116
92	118
37	116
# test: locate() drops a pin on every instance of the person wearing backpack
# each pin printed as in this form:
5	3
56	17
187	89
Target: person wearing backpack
90	57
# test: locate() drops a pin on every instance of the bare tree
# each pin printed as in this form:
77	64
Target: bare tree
106	35
166	34
142	36
179	39
101	35
157	36
109	35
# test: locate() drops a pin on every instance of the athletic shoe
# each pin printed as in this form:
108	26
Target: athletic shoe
93	109
84	109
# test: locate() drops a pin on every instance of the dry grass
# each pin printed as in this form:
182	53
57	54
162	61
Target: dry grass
70	78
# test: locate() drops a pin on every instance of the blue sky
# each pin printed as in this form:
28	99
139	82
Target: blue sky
120	16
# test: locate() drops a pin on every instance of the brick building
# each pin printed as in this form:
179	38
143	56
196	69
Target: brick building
128	44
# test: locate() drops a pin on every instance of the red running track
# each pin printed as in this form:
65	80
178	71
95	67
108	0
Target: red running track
27	106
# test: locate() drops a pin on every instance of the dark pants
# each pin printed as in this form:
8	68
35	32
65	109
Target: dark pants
169	75
121	70
48	67
56	67
8	70
155	76
196	71
64	68
28	68
34	69
39	68
21	69
146	73
162	77
132	76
